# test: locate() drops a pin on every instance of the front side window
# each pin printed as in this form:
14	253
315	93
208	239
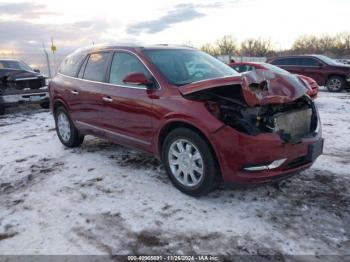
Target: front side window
182	66
287	61
70	64
310	62
124	64
96	67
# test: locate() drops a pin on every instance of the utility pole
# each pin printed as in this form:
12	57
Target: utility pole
53	49
47	60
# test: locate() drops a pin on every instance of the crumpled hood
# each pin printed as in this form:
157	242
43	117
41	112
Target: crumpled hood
259	87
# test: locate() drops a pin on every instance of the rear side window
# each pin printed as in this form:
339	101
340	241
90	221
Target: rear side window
124	64
287	61
307	61
96	67
71	64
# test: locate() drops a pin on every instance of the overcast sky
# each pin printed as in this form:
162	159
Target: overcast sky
25	24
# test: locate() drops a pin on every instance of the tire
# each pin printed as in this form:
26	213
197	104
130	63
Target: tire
205	173
66	131
335	84
45	105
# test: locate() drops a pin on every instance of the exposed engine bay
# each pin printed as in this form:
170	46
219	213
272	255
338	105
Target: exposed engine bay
291	121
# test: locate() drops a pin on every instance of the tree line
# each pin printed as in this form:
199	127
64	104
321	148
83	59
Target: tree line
336	46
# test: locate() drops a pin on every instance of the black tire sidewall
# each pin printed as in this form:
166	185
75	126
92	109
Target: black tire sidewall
211	170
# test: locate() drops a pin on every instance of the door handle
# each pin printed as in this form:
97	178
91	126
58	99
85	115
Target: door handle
107	99
74	92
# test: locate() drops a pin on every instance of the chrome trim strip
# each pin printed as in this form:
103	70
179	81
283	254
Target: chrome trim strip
108	84
114	133
121	50
275	164
26	78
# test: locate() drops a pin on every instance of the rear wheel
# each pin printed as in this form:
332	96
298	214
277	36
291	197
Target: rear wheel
190	162
66	131
335	84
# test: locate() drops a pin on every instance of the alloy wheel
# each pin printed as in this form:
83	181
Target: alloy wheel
63	126
334	84
186	163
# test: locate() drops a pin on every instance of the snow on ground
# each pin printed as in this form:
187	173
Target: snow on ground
106	199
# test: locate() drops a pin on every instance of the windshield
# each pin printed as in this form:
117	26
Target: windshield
327	60
180	66
12	64
275	69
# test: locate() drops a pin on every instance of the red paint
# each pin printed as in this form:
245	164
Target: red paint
320	73
312	92
135	117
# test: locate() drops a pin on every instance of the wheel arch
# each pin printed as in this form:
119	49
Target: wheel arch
57	103
335	74
166	129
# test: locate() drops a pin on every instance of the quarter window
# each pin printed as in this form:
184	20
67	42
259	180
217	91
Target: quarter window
70	64
124	64
96	67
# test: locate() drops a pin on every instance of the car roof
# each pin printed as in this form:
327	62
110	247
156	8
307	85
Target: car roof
292	56
105	47
9	59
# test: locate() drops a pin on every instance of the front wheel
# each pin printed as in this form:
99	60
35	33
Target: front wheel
335	84
45	105
66	131
190	162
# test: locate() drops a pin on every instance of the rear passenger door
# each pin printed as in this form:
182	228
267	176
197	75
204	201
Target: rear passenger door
92	76
127	108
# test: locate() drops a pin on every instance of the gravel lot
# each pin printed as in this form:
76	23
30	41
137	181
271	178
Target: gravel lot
106	199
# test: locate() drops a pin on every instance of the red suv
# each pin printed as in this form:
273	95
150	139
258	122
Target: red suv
326	71
204	121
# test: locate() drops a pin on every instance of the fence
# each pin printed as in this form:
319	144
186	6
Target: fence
226	59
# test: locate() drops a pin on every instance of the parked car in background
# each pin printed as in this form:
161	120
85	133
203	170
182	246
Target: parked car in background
21	84
343	61
200	117
242	67
326	71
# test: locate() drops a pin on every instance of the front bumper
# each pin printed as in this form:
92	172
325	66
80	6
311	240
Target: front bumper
238	153
38	96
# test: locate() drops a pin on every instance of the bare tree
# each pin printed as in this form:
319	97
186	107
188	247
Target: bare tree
256	47
210	49
227	45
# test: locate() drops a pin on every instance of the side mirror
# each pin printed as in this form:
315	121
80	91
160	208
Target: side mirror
36	70
138	79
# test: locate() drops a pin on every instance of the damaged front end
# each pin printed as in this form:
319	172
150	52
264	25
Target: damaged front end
260	102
